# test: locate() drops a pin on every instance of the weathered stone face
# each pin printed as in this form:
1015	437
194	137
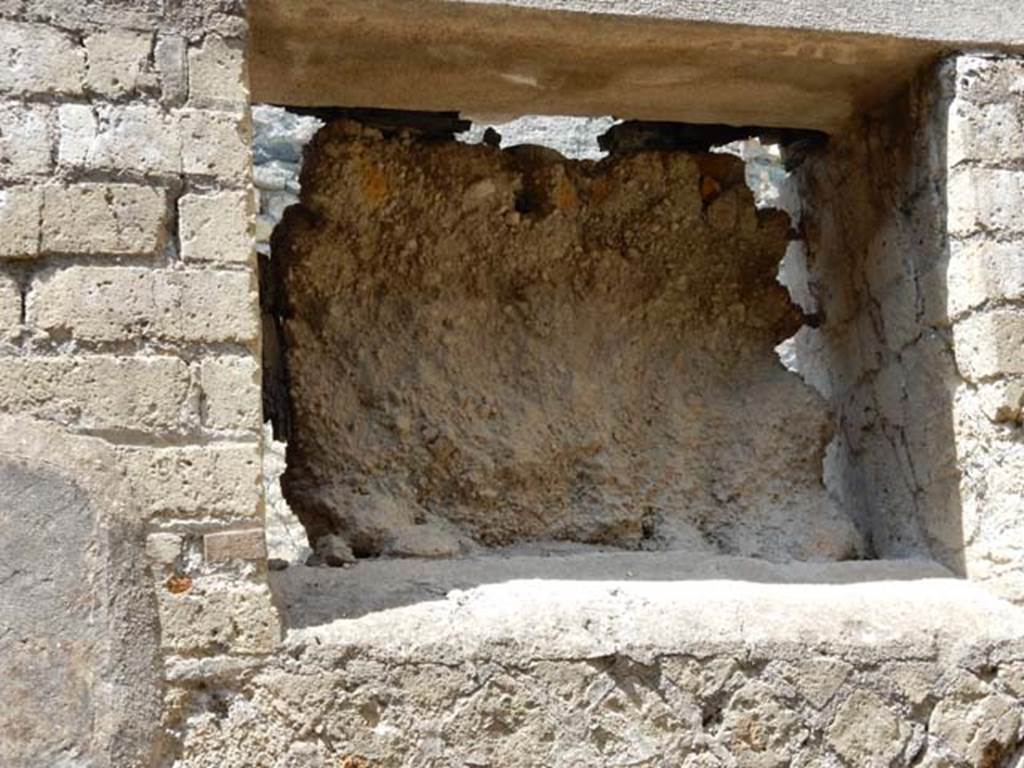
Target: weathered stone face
492	347
51	646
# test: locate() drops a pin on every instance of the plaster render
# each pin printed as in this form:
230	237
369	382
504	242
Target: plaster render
486	348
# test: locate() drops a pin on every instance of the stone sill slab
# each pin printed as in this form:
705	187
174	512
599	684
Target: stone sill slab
594	604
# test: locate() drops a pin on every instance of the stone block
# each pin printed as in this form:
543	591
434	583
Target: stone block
232	399
137	14
39	60
171	58
20	209
985	200
137	137
990	344
164	548
122	303
101	392
975	723
866	731
216	227
218	615
248	544
1002	401
986	79
26	139
119	63
216	74
989	134
203	17
979	272
222	481
10	306
216	144
117	219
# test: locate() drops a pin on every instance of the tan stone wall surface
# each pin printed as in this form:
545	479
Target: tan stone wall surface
129	356
136	626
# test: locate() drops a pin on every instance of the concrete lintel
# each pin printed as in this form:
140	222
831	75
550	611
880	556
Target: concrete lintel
804	65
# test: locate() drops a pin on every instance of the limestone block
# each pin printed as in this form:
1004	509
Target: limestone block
817	679
39	60
25	140
976	724
986	79
119	63
1011	677
216	227
248	544
103	218
137	137
985	200
217	614
984	271
1002	401
915	681
215	144
171	58
100	392
138	14
867	732
196	480
196	18
216	74
990	134
10	306
20	209
121	303
164	548
990	344
232	398
762	730
999	498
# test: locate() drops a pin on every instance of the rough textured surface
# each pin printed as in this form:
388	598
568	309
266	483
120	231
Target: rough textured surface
914	266
79	628
136	625
129	403
486	348
572	137
820	671
41	669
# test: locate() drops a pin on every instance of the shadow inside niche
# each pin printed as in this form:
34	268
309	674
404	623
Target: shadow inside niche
877	234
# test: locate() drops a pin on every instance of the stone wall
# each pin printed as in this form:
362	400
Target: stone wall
915	263
129	367
136	625
617	660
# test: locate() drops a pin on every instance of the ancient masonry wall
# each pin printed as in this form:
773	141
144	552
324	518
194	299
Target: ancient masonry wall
917	260
129	361
138	625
